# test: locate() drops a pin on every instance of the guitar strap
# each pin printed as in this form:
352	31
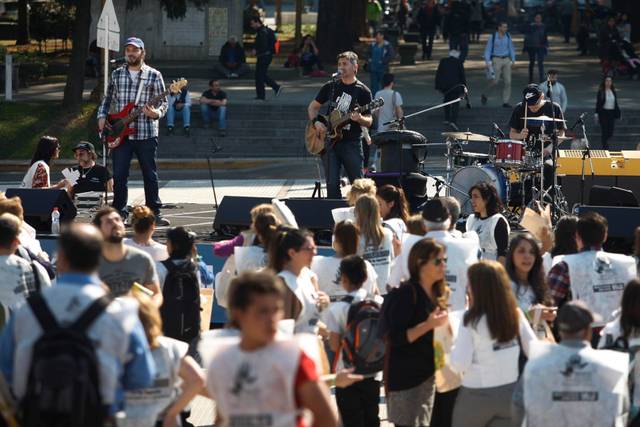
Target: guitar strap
139	91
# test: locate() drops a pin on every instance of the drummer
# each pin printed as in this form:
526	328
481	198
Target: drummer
537	106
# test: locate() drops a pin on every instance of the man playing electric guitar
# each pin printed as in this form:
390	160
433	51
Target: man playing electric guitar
136	82
343	95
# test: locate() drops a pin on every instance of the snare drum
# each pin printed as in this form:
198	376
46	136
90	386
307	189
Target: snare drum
467	158
509	151
467	177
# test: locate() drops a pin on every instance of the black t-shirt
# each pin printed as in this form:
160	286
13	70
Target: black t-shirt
91	179
210	95
345	98
517	122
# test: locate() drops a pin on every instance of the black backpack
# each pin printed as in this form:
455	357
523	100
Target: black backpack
272	39
63	386
180	309
362	348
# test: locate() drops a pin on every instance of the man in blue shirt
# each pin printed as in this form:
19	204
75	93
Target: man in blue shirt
379	58
499	57
124	361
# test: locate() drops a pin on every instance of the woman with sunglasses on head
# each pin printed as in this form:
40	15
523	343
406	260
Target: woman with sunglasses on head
487	221
413	311
290	255
487	348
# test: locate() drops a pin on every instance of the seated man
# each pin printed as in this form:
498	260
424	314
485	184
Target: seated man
232	62
213	103
179	103
93	177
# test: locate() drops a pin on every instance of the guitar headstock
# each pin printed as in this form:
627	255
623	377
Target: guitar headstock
177	85
376	103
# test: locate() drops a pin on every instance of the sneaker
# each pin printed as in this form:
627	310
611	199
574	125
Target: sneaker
278	91
222	133
162	221
259	99
170	130
507	105
483	99
187	131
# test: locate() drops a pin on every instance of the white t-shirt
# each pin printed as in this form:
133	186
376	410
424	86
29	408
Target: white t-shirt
397	226
17	280
156	250
387	112
144	407
327	269
524	295
609	100
483	361
380	257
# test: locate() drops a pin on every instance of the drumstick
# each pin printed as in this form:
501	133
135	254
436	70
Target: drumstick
525	113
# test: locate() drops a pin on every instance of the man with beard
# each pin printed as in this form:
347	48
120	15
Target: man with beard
93	177
120	265
136	82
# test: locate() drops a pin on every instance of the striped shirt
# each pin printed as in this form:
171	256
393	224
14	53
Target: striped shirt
123	90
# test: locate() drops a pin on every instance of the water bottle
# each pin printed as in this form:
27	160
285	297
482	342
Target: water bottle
55	221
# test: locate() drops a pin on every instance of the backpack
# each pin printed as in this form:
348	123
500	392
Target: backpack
361	346
63	387
180	310
272	38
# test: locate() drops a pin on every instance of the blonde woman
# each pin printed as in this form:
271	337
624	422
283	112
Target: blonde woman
376	242
360	187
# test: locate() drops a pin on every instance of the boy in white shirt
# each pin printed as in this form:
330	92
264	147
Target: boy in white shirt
358	403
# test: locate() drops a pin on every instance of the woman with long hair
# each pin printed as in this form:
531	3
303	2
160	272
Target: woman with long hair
290	256
360	187
607	109
393	208
39	174
486	220
564	240
626	323
225	248
414	310
143	222
487	348
327	268
376	242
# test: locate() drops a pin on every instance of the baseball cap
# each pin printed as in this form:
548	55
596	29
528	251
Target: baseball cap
531	94
575	316
84	145
135	41
435	211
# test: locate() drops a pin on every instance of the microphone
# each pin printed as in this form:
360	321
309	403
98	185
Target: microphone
579	121
116	60
337	75
497	129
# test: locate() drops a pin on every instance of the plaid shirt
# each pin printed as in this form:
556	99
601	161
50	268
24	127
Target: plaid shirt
560	282
122	90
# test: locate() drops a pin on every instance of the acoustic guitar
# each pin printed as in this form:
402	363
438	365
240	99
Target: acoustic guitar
120	122
334	122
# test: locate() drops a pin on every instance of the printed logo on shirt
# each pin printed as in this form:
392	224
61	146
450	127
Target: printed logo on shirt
251	420
450	278
377	257
609	287
243	378
574	396
573	364
343	102
504	345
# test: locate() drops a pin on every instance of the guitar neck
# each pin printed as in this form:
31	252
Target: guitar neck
138	110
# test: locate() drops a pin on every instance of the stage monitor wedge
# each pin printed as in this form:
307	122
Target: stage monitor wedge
38	203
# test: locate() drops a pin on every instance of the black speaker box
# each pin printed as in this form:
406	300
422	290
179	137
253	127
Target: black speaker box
601	195
400	150
414	186
38	203
233	215
622	224
571	186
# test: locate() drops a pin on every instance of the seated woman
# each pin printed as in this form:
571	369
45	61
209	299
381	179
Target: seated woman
39	174
309	55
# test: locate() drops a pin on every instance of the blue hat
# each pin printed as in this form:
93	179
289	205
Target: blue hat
135	41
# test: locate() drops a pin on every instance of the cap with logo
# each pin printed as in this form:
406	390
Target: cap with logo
531	94
134	41
435	211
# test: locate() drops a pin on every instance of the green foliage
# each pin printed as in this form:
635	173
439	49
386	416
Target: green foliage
51	20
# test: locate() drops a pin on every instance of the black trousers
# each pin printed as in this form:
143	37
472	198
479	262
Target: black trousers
607	119
451	111
358	404
262	66
443	408
426	37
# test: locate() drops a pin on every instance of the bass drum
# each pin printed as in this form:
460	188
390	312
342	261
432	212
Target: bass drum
467	177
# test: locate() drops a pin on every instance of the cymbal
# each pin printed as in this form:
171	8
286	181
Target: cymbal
543	119
467	136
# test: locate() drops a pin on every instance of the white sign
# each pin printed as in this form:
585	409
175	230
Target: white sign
108	35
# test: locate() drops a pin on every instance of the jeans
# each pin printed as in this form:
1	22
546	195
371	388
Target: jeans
426	37
536	53
347	154
376	81
262	66
460	42
145	150
185	113
212	113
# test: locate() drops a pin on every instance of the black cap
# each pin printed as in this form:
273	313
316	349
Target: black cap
575	316
435	211
531	94
84	145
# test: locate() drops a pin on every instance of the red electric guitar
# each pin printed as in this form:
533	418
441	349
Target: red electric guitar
120	122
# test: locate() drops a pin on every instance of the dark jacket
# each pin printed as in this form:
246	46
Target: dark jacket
535	36
608	42
409	364
450	73
428	21
227	49
600	98
456	22
263	45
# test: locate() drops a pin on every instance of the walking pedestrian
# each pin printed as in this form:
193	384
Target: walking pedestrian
265	48
607	110
380	55
499	58
451	81
536	45
457	27
428	20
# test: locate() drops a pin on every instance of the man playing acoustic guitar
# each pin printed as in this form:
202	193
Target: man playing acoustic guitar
343	95
136	82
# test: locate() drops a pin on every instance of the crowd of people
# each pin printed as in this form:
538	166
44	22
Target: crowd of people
468	327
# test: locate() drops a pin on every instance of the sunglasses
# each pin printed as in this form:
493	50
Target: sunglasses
309	248
438	261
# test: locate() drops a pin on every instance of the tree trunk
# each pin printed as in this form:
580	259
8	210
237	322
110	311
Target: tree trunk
75	77
298	31
23	23
335	31
278	15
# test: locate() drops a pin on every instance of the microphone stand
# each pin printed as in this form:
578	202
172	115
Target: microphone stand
554	152
400	121
586	152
